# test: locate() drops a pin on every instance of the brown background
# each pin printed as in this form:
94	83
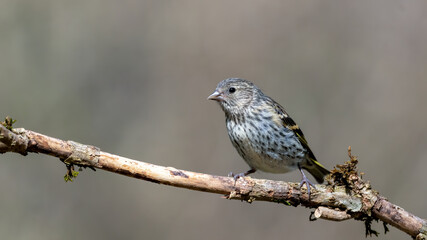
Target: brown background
132	77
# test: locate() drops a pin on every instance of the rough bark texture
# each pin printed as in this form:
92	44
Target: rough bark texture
346	196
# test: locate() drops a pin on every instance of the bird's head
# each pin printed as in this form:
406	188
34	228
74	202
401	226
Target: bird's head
235	95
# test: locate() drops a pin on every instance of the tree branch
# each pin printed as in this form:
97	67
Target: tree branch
346	196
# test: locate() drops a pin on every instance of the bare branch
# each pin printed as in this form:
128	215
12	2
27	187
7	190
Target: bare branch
346	196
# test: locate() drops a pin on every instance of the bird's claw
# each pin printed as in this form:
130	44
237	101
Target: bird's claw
236	176
243	174
307	184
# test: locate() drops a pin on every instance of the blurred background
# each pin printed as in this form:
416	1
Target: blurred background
132	77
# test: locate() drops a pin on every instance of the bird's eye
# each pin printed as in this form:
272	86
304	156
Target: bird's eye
231	90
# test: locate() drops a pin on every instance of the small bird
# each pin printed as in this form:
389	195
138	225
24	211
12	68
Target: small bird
263	133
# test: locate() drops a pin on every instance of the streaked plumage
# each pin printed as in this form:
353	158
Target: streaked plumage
263	133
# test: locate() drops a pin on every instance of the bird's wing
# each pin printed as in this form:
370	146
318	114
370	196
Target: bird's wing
289	123
312	165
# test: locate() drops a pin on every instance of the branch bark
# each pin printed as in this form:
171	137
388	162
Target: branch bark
346	196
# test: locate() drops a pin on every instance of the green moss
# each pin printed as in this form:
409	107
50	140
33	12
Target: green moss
8	122
71	173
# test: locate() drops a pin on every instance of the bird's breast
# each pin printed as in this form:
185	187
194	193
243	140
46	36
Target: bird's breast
265	145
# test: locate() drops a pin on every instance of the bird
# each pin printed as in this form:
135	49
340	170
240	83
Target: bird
263	133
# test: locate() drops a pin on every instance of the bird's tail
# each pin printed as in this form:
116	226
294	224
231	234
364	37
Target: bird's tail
316	169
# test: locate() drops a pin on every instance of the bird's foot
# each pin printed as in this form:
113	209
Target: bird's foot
240	175
236	176
307	184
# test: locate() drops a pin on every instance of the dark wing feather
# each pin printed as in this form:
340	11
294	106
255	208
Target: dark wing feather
289	123
311	165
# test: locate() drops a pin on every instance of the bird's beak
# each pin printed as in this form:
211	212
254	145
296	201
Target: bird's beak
217	96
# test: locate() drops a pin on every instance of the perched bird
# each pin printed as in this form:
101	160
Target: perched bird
263	133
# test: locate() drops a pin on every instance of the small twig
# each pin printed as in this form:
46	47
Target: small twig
331	214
